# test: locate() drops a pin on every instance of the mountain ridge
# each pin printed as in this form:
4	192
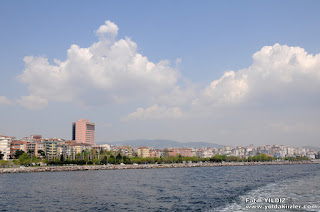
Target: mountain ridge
163	143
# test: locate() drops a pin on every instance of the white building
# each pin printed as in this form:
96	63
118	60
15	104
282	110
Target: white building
5	147
290	151
207	153
105	146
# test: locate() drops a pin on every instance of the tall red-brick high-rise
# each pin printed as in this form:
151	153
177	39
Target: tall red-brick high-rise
83	131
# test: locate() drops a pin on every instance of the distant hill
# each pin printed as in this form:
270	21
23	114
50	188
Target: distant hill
312	147
161	144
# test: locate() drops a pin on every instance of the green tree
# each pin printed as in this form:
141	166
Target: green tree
4	163
216	158
119	158
104	160
61	157
231	159
96	161
18	153
16	162
112	159
34	159
101	152
24	159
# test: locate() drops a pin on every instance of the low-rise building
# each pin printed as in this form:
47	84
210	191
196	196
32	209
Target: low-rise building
72	148
156	153
143	152
106	147
185	152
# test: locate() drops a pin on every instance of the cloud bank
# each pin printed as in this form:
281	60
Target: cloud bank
112	71
155	112
280	77
109	71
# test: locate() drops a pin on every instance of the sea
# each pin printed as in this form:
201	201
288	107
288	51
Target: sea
208	189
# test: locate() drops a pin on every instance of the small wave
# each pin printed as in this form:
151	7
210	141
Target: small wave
286	195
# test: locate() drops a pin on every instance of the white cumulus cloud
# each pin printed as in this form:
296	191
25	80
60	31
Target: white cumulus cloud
279	73
280	77
109	71
108	28
230	88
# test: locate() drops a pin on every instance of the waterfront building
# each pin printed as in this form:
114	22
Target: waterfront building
105	147
62	149
34	147
39	147
17	145
227	150
31	147
71	148
194	152
98	147
83	131
126	150
204	153
290	151
207	153
199	153
249	150
156	153
240	151
51	147
5	147
79	148
185	152
143	152
312	154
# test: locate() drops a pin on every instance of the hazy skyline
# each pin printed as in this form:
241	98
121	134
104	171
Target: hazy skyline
227	72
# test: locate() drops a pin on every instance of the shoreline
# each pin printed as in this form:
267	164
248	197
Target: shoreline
143	166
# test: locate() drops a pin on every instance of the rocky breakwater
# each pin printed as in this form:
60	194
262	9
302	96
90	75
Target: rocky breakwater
143	166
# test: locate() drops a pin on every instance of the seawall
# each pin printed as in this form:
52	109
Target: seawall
143	166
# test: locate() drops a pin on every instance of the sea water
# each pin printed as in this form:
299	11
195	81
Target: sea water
228	188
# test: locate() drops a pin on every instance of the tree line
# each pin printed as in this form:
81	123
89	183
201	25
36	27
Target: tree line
103	157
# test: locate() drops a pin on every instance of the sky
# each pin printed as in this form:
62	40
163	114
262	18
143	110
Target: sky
226	72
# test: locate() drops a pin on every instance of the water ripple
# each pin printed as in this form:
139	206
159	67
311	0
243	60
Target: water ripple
183	189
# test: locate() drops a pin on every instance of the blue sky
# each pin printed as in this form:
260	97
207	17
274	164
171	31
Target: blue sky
207	38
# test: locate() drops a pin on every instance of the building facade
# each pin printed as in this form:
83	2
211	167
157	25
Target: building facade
185	152
83	131
143	152
5	147
17	145
51	147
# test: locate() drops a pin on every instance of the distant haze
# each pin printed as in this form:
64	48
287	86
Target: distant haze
161	144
